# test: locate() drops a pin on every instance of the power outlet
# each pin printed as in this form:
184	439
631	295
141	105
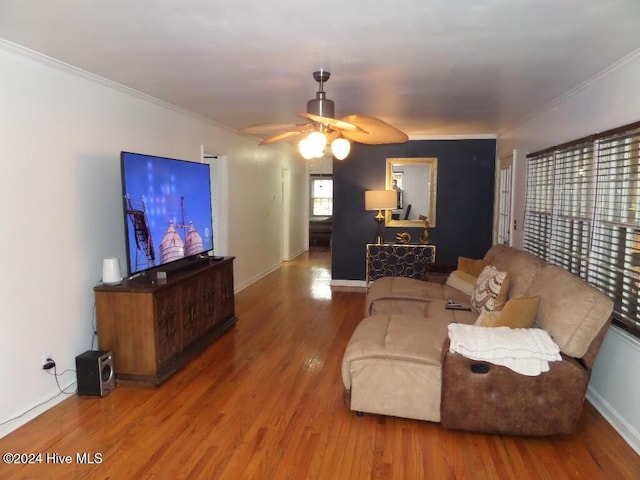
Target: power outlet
45	357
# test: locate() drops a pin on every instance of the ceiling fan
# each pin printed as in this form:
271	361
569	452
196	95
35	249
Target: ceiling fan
324	129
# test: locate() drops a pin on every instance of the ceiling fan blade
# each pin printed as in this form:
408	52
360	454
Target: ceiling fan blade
356	128
373	131
332	122
280	136
272	128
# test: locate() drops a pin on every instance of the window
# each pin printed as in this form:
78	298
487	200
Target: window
615	265
582	213
539	205
321	196
572	207
504	206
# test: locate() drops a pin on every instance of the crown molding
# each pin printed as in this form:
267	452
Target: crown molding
631	57
470	136
92	77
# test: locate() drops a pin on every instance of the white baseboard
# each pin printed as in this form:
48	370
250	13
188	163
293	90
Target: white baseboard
296	254
23	417
264	273
255	278
626	430
349	283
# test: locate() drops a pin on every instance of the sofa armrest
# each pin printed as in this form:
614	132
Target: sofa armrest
483	397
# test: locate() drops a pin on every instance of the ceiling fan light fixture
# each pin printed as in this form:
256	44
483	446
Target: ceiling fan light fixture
305	149
340	148
321	120
313	145
318	140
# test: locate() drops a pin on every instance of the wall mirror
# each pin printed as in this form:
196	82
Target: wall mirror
415	180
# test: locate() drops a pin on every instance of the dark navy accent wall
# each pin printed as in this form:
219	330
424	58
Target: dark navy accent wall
465	197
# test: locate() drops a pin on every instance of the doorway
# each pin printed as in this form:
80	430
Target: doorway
320	209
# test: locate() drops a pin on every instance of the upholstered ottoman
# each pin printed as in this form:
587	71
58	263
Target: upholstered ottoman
392	366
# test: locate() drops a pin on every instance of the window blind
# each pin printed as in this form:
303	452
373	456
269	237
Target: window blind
572	207
582	213
539	205
615	250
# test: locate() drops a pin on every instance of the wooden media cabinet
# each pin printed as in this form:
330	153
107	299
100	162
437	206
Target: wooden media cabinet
155	327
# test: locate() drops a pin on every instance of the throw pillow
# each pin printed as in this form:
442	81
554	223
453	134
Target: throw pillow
490	292
462	281
472	266
518	312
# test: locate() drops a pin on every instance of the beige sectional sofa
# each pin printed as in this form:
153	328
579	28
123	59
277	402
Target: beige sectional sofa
398	361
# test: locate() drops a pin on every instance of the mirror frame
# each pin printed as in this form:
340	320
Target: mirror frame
433	189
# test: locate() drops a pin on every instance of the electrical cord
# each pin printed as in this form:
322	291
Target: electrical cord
94	335
4	422
94	327
56	375
61	392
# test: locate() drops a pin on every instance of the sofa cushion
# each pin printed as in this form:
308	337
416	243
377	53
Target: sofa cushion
462	281
572	311
490	292
498	251
522	267
518	312
472	266
401	295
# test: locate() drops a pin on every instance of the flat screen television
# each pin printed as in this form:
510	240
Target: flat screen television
167	211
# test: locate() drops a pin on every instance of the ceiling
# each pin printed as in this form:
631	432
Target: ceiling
428	67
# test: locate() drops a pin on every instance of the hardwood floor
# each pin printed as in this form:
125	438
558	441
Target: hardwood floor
265	402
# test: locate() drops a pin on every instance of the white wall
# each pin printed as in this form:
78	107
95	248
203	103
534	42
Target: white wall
609	100
61	135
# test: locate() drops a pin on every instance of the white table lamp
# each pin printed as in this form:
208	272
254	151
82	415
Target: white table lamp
380	200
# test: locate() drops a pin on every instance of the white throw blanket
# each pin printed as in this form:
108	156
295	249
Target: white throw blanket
527	351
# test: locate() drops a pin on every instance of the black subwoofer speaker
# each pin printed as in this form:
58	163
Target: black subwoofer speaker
94	370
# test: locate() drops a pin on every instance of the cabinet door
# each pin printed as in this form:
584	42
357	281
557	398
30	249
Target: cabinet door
225	298
217	295
167	306
191	309
210	286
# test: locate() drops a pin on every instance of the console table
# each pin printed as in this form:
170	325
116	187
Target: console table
155	327
399	260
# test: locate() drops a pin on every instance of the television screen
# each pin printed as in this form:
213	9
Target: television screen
167	209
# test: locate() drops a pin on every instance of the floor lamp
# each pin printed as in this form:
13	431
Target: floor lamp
380	200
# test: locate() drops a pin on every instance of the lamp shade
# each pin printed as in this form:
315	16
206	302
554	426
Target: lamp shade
340	148
313	145
380	199
306	149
